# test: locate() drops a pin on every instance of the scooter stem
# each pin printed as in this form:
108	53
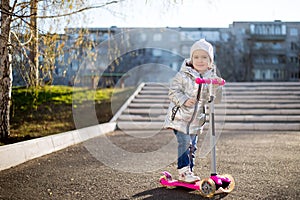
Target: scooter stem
212	138
212	81
212	127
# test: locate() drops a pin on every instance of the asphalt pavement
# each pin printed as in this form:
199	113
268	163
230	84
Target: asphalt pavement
265	165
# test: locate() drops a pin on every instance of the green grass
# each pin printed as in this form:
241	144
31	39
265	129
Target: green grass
59	95
49	110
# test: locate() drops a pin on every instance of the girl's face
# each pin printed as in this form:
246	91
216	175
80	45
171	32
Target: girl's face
201	61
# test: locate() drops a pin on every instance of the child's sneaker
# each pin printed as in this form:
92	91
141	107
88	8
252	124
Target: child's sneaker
185	175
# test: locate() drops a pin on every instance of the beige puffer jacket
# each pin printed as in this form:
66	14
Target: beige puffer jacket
185	119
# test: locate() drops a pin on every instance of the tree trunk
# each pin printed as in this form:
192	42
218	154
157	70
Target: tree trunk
5	70
34	49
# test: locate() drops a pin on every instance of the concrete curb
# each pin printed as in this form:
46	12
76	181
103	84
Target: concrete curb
17	153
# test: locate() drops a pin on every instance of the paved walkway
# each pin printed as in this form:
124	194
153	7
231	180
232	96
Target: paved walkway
265	165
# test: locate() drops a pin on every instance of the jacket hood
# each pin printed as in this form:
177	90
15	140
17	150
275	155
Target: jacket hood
189	70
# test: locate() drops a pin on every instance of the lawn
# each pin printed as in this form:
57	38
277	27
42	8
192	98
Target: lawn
49	110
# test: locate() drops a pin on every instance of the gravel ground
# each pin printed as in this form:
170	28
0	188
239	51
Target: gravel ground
264	165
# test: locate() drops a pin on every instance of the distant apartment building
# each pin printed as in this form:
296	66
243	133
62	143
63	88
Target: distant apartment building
267	51
245	51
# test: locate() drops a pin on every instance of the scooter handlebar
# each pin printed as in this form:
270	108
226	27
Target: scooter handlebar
209	81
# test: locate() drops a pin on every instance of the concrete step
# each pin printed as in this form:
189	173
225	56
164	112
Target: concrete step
229	99
244	98
292	105
277	88
227	126
154	101
259	111
152	96
271	98
261	101
228	118
245	106
155	92
235	92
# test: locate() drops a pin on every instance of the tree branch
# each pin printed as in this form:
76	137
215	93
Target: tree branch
60	15
80	10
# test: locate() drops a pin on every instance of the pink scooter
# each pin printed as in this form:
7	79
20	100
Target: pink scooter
215	184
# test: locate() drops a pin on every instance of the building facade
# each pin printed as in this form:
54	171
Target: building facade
245	51
267	51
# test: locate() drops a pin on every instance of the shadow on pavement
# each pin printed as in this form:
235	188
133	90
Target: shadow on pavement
176	193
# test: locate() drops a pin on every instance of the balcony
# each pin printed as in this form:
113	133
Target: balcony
264	37
266	50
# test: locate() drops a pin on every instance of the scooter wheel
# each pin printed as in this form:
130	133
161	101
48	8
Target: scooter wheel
207	187
231	186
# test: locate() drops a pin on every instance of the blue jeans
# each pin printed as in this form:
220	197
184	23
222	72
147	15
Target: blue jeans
187	146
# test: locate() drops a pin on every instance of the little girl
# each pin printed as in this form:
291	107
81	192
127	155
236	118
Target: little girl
186	113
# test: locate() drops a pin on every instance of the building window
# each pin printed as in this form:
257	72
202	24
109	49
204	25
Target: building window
141	51
225	37
174	52
266	29
74	65
105	36
275	60
294	46
294	32
252	29
185	50
156	52
294	75
276	74
173	38
276	45
175	66
59	71
294	60
190	35
143	37
257	74
259	60
283	30
282	59
258	45
157	37
277	30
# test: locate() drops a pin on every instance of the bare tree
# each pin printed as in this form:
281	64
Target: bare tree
5	69
20	32
20	19
34	44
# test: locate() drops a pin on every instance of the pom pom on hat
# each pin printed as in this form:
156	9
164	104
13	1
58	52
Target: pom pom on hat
203	45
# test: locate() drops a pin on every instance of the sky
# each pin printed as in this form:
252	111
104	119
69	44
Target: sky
190	13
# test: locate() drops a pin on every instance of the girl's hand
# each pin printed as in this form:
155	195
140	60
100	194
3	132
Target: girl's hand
220	80
190	102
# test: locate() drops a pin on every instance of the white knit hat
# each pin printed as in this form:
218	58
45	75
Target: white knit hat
204	45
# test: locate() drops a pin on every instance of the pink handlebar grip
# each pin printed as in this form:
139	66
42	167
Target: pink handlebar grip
209	81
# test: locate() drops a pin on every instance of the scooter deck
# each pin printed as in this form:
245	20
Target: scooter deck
207	187
171	183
